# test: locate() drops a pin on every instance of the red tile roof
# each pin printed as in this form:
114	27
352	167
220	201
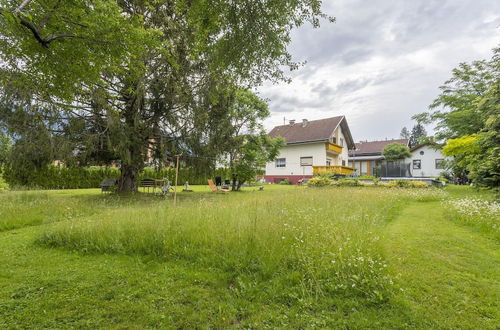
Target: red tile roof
314	130
375	147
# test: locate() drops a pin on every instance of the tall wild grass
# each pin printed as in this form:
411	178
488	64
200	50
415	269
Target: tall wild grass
299	242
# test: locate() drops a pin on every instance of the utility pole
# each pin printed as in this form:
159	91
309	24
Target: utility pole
176	177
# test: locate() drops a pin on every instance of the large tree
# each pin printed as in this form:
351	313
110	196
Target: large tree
467	113
112	79
247	144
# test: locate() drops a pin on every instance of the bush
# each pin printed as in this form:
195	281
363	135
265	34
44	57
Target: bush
407	184
319	181
367	177
53	177
350	183
285	181
3	184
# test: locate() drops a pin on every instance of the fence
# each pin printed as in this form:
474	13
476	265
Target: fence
395	169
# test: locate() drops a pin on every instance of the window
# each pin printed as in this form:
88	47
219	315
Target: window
328	162
341	142
343	162
417	164
440	164
333	140
281	162
306	161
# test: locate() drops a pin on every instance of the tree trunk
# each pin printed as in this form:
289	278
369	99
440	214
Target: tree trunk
233	187
128	179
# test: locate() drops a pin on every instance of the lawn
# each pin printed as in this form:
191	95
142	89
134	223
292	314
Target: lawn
286	257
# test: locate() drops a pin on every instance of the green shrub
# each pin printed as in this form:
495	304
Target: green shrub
367	177
319	181
285	181
350	183
3	184
53	177
407	184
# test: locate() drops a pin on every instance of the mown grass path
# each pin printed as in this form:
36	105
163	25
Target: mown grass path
449	274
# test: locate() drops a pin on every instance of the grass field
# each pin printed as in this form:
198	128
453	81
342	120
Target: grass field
286	257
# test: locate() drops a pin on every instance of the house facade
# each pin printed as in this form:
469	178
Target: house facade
426	161
312	147
368	155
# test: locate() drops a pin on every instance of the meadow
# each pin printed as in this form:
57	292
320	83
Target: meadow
284	257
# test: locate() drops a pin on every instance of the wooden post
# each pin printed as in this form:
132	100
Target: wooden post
176	176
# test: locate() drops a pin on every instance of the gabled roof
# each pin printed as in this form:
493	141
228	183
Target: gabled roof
375	147
313	131
418	146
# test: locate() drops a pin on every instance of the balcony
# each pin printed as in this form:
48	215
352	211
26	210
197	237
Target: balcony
333	169
333	147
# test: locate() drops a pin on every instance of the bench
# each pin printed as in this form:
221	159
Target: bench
108	184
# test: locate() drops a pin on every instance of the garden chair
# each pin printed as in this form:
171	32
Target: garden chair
214	188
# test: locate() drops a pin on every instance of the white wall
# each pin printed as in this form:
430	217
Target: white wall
344	155
292	153
428	162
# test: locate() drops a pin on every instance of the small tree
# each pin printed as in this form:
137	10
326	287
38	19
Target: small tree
405	133
396	151
252	156
417	132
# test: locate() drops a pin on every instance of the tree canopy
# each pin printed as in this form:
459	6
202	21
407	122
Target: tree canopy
417	133
467	113
396	151
110	81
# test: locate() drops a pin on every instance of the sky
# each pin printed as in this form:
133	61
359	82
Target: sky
381	62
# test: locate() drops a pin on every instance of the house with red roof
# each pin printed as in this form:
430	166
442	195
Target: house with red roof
368	155
312	147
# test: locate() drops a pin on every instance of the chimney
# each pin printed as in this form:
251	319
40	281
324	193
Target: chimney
291	122
304	122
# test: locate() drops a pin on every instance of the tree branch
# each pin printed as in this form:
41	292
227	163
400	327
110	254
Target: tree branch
21	6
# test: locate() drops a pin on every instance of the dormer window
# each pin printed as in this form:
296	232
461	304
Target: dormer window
333	140
341	142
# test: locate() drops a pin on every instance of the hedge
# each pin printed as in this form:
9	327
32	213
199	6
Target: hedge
54	177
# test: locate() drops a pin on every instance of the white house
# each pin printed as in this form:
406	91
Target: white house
312	147
367	155
426	161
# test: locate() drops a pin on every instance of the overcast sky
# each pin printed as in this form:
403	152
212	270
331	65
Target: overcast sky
382	61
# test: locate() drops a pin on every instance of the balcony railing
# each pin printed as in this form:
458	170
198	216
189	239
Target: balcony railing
333	147
333	169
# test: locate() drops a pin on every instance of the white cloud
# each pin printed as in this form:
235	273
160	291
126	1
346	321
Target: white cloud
382	62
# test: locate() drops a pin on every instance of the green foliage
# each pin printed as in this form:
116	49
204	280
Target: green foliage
350	183
396	151
467	114
243	137
417	133
460	109
407	184
319	181
137	76
5	147
3	184
285	181
405	133
53	177
366	177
